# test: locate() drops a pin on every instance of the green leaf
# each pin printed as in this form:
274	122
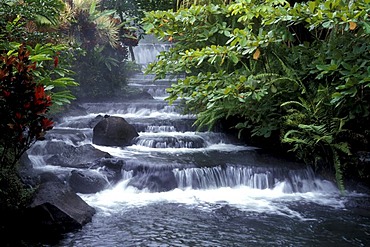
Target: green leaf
273	88
330	67
234	58
40	57
92	7
326	24
312	6
366	27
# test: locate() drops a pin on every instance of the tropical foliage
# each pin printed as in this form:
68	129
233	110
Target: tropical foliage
23	106
34	25
130	12
29	21
297	72
100	32
34	77
133	10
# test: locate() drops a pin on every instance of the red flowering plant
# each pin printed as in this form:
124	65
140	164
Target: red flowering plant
23	106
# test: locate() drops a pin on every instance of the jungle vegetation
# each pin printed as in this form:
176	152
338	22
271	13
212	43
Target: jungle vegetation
47	49
34	79
293	73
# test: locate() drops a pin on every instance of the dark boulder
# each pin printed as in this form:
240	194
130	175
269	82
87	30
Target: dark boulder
111	168
140	95
93	122
156	181
87	181
55	208
74	134
71	156
114	131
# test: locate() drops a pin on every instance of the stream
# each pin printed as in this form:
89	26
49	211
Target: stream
226	193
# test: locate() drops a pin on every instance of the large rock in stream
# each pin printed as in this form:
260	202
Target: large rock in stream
154	181
66	155
87	181
114	131
56	208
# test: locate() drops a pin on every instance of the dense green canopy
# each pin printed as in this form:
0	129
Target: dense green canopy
296	73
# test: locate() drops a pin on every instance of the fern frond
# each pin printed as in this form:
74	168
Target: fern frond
314	128
290	73
292	103
338	171
209	117
264	76
343	147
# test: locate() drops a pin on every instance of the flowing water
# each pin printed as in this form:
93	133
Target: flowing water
227	194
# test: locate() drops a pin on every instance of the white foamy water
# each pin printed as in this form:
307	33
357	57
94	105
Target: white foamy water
227	193
136	149
133	114
270	201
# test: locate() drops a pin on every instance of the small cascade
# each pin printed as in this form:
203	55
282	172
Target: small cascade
161	128
126	175
179	186
37	160
148	49
156	140
216	177
300	180
156	88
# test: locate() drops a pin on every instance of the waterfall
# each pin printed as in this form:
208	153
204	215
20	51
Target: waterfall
168	150
148	49
302	180
169	153
176	186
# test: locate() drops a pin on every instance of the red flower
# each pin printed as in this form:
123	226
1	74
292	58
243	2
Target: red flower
6	93
48	101
39	93
31	67
46	124
56	59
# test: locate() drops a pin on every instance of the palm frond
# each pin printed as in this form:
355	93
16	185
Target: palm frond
108	32
87	16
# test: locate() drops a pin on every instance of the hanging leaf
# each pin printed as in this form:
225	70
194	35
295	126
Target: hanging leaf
273	88
352	25
366	27
234	58
256	54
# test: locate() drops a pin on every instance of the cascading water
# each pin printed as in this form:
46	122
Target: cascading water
180	187
147	50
